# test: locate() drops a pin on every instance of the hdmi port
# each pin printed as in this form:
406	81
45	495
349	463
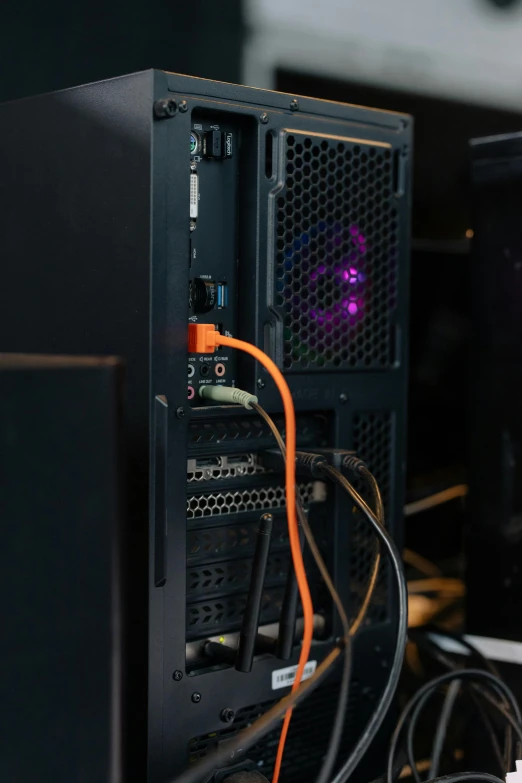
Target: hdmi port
239	459
208	462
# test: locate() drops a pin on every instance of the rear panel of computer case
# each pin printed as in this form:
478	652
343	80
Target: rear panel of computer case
297	241
142	204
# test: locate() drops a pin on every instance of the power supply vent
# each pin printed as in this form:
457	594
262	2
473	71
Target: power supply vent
336	254
372	439
307	738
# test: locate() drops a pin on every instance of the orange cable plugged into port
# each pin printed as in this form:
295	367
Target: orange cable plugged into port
203	338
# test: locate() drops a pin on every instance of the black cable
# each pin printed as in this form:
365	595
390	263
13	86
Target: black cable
430	687
267	722
503	763
508	750
250	736
442	726
371	481
432	647
377	518
460	639
421	704
425	638
342	701
410	735
380	712
375	492
463	777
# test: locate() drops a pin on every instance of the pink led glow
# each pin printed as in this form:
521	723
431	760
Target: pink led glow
336	278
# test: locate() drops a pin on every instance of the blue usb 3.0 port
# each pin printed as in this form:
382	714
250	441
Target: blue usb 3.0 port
222	295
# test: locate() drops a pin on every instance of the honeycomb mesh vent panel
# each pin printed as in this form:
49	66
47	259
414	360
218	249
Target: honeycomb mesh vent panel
372	440
252	499
307	738
336	254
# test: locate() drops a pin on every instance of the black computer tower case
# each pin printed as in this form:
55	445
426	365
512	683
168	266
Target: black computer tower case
494	538
136	205
62	593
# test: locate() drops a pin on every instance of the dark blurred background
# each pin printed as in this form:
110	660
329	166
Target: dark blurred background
59	44
451	65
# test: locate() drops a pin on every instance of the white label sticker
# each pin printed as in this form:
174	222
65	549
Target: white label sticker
283	678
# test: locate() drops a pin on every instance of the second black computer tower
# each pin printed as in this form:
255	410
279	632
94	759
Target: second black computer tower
135	206
494	539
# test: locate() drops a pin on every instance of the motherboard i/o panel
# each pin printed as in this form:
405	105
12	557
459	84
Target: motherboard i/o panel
213	220
156	201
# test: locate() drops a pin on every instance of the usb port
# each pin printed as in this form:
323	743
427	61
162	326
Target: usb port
222	295
194	196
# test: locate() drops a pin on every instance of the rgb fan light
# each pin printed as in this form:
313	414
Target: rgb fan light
332	257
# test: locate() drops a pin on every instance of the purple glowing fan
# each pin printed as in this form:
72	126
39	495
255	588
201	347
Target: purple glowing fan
324	288
347	278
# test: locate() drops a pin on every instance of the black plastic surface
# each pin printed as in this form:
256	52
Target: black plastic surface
494	540
61	655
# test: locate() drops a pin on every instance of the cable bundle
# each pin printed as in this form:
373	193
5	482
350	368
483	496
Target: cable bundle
205	338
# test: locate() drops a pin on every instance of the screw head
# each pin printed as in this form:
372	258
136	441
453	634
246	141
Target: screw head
180	412
165	108
261	383
227	715
183	106
196	697
343	398
263	118
294	105
178	675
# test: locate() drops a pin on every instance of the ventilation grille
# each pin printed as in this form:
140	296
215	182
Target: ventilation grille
372	442
234	576
219	556
252	499
337	254
307	738
236	540
252	429
226	614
